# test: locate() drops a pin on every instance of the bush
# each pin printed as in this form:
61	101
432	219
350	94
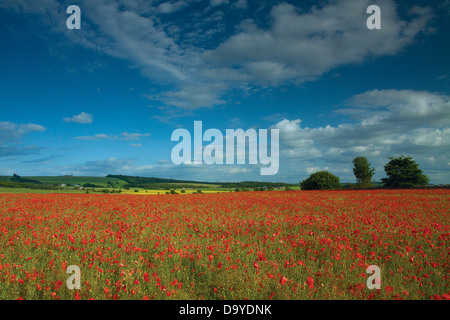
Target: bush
321	180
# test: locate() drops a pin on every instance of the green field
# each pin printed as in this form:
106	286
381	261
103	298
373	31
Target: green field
127	184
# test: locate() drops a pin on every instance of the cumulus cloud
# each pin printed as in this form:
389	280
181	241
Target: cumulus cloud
388	123
413	108
311	170
302	46
83	118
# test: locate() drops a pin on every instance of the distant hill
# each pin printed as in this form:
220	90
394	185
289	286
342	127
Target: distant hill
161	183
123	181
150	180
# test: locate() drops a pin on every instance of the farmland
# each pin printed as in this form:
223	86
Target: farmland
238	245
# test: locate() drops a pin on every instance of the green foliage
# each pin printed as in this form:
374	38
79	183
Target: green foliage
403	172
362	171
13	184
17	178
321	180
91	185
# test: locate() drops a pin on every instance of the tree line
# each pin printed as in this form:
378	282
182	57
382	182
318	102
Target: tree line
401	172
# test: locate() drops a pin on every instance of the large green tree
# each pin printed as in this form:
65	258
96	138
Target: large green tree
320	180
362	171
403	172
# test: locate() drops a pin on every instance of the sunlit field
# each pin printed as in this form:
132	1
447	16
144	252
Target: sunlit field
240	245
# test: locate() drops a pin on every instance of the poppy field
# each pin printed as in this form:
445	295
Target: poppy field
237	245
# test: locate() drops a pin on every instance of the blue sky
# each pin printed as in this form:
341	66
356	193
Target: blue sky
106	98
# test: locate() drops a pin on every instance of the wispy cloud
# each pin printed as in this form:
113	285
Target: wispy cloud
10	138
133	136
40	160
99	136
123	136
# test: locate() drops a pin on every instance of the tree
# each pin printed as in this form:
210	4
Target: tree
320	180
362	171
403	172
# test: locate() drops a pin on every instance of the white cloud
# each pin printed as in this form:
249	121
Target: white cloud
302	46
389	123
99	136
218	2
133	136
413	108
123	136
170	7
103	167
240	4
10	131
311	170
10	138
192	97
83	118
295	45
